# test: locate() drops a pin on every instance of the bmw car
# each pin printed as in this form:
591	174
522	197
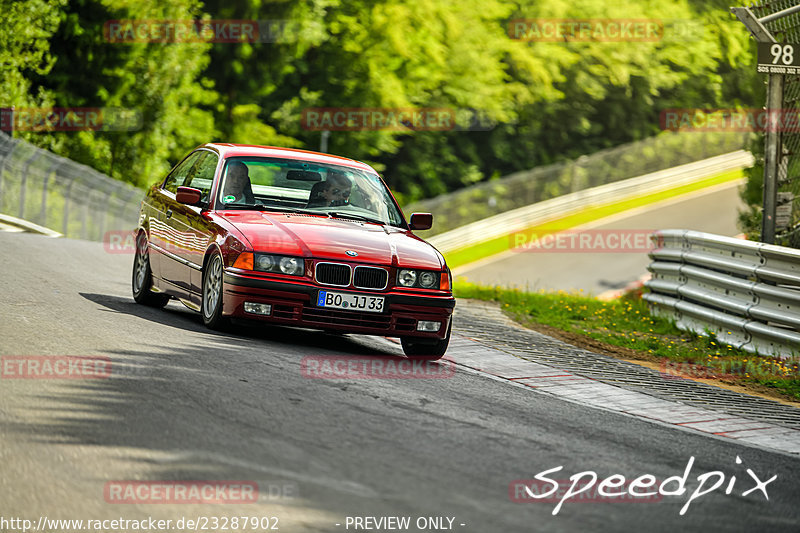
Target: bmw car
291	237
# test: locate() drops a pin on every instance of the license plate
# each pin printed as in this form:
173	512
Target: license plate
350	302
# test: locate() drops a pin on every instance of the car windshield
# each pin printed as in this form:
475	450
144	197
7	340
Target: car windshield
303	186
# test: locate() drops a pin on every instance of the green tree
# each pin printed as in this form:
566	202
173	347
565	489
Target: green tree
160	82
27	27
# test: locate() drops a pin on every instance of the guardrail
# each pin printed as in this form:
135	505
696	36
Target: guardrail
541	212
488	198
60	194
746	293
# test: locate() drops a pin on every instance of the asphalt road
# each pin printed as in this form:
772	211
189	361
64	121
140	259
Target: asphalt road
713	211
183	403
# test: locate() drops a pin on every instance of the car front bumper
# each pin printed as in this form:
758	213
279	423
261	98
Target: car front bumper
293	303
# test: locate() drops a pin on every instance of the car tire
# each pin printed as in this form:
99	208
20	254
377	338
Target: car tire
416	349
213	291
142	277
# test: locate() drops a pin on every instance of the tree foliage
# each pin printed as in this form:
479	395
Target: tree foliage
545	101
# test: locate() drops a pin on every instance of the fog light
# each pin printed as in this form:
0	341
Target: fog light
427	325
257	309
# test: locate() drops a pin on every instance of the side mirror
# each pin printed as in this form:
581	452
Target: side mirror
188	195
421	221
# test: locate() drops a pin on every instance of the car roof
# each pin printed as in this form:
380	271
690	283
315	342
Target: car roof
244	150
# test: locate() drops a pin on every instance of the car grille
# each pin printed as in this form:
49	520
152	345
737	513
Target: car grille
333	274
370	278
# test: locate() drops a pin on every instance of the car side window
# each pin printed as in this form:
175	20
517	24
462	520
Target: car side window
178	175
201	175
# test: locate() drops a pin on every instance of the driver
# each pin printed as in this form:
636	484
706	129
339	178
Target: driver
335	191
340	188
237	185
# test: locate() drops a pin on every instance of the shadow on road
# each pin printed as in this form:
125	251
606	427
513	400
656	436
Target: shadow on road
174	315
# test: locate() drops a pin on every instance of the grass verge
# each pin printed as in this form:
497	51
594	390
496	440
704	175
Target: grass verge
497	245
624	329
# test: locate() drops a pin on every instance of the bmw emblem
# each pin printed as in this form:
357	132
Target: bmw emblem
351	253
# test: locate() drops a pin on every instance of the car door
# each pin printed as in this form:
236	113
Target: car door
164	236
198	231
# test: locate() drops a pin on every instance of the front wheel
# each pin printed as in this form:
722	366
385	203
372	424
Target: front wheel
212	294
425	351
142	279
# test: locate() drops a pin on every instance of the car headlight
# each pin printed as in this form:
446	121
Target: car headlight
265	262
292	266
427	279
418	278
279	264
407	278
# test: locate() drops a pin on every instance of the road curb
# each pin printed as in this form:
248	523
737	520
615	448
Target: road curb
28	226
752	423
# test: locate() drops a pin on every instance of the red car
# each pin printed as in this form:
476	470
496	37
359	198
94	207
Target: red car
291	237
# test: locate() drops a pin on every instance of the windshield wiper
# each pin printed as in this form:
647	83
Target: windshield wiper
282	209
263	207
339	214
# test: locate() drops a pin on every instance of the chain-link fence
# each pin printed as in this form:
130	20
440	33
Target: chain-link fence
786	30
615	164
60	194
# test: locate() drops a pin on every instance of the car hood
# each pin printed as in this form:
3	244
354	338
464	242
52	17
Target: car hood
330	238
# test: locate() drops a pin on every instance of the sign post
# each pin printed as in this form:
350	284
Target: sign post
777	59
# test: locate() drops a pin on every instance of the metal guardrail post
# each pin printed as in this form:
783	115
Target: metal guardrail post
67	198
24	183
6	141
84	220
43	209
772	148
